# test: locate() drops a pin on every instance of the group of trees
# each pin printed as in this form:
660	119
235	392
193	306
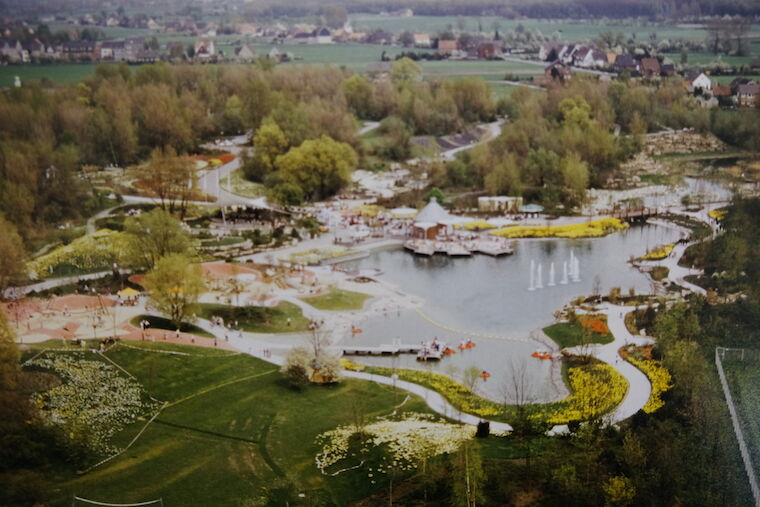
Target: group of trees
559	143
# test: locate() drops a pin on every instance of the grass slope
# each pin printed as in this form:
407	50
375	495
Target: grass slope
234	431
338	300
255	319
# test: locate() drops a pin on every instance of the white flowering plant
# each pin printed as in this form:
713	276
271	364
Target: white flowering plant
93	403
408	441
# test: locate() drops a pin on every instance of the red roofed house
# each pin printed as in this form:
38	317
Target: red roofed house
447	47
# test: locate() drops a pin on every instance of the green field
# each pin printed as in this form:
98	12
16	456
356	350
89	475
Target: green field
233	431
338	300
569	30
744	382
56	72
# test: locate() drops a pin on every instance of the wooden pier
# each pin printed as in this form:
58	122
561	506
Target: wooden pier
458	248
381	350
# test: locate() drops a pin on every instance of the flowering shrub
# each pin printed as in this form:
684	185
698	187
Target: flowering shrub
595	323
351	365
661	252
480	225
93	403
409	440
658	376
97	251
597	389
455	393
594	229
717	214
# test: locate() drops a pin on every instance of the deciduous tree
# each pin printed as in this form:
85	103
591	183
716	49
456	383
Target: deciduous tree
175	286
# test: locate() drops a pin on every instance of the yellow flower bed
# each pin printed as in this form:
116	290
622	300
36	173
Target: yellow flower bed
458	395
480	225
368	210
89	253
597	389
350	365
658	376
595	229
661	252
717	214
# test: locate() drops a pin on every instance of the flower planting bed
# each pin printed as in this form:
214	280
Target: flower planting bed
88	254
597	388
409	440
594	229
94	402
659	253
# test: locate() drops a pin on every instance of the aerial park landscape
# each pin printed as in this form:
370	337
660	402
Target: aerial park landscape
328	255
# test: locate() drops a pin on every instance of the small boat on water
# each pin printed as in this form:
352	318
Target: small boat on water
465	345
433	351
542	354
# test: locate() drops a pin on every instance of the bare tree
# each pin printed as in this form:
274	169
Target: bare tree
517	391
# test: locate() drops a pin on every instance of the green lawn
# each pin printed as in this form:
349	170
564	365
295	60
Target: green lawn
237	184
234	431
258	319
571	334
162	323
338	300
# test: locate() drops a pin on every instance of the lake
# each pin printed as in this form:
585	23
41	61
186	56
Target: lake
488	299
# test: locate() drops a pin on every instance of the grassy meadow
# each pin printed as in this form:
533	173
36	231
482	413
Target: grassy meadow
233	430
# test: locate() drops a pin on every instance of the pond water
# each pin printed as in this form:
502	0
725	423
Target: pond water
488	299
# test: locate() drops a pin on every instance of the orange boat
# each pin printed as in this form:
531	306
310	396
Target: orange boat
466	345
484	374
449	351
541	354
356	331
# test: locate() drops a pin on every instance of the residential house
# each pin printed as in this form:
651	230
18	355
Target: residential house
699	81
33	50
422	40
566	54
549	52
747	94
735	83
245	54
557	71
650	67
204	49
109	49
625	63
723	94
490	50
146	56
153	25
80	50
447	47
667	70
10	50
322	36
590	58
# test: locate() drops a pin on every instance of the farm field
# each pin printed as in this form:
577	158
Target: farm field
227	434
744	382
569	30
56	72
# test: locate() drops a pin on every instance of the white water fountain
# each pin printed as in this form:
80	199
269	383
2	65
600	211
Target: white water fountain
551	276
532	286
564	273
576	270
539	283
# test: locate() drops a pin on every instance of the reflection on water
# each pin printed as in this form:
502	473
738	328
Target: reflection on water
481	295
